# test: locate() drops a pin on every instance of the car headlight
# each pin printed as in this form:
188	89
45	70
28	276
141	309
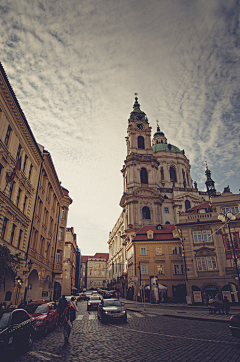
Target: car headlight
39	322
106	312
123	311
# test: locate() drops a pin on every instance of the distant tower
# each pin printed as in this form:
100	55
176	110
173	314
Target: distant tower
210	183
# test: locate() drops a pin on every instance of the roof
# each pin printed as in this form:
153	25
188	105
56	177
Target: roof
166	147
84	258
104	256
194	210
164	234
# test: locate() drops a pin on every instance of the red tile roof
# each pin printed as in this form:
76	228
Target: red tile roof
85	258
96	256
164	234
194	210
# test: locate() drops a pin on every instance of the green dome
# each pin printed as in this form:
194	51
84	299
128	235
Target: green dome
166	147
159	133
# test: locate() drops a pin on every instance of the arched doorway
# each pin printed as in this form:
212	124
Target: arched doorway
33	286
210	291
179	293
7	287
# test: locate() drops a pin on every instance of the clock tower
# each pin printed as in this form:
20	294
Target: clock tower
141	201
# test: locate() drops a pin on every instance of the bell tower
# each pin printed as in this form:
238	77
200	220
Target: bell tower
141	201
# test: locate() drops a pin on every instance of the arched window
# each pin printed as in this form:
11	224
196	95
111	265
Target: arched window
145	212
167	222
141	142
187	205
144	176
173	176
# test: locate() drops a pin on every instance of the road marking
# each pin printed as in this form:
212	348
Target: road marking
138	315
50	354
38	355
79	317
91	316
172	336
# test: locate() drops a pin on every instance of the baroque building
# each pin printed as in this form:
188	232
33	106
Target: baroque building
157	187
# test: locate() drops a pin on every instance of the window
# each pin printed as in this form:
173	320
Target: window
173	176
25	161
202	236
60	236
143	251
178	269
62	213
4	227
145	212
11	190
187	205
12	233
30	171
144	176
166	210
9	130
206	263
232	209
158	250
58	256
19	238
160	269
141	142
18	151
24	204
174	250
180	250
18	196
144	269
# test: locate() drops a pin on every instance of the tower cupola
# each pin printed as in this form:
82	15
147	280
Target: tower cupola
210	183
137	114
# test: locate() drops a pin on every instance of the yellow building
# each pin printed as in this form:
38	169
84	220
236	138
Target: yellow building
20	164
69	263
155	261
210	267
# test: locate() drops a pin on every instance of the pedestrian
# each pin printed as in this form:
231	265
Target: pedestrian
226	304
62	305
73	310
66	324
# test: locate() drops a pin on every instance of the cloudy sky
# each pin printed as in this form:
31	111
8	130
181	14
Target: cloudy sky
75	65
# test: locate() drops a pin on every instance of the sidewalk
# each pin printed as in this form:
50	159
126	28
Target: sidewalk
182	311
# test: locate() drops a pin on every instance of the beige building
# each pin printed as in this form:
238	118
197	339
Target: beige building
93	274
210	266
69	263
20	164
154	256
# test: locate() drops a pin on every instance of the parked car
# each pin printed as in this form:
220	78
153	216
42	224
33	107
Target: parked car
17	329
235	325
106	294
82	296
87	295
93	302
112	309
46	314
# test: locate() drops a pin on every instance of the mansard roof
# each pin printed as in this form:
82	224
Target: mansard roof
166	233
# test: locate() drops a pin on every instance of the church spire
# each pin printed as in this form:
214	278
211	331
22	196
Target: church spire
137	114
210	183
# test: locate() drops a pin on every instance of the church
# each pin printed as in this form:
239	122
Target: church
157	188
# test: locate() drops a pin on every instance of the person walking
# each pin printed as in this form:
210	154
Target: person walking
226	304
62	305
73	310
66	324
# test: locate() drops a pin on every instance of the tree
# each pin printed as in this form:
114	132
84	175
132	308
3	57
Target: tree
8	261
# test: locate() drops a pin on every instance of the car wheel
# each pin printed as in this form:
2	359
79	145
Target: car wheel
45	331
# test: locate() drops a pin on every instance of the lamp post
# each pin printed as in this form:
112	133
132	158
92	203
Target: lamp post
226	218
19	284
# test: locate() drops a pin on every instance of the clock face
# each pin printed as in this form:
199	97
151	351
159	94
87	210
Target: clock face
140	126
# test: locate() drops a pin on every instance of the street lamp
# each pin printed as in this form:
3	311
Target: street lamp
226	218
19	284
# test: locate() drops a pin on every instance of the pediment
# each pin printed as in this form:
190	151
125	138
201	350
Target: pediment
205	252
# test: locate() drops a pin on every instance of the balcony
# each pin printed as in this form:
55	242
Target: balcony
210	216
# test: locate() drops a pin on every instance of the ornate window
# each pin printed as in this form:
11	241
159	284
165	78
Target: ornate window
158	250
202	236
173	176
187	205
144	176
145	212
141	142
206	263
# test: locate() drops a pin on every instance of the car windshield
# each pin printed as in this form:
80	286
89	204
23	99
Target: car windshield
110	303
94	298
36	308
4	319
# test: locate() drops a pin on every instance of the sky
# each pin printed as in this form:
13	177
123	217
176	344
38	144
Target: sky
75	66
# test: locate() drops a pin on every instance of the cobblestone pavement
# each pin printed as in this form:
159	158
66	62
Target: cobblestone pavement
147	336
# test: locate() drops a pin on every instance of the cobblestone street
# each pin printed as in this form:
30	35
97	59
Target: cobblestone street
148	336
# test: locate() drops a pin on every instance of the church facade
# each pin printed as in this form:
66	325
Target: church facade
157	188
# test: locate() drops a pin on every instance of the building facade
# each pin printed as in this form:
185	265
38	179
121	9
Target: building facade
210	267
69	263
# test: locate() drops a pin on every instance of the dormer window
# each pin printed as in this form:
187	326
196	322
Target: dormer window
150	234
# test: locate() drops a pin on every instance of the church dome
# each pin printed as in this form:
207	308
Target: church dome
165	147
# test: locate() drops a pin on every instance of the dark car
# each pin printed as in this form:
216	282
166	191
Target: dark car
17	329
106	294
46	315
93	302
111	309
235	325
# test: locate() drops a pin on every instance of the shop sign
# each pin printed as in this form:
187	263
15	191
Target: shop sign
227	246
44	294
